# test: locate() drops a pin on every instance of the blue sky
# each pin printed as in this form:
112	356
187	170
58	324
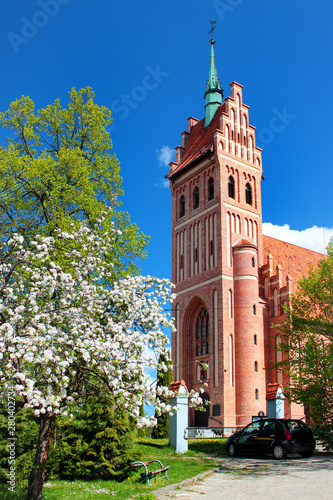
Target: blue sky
148	61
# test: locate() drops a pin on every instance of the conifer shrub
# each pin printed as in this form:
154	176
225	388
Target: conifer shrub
164	378
25	438
96	442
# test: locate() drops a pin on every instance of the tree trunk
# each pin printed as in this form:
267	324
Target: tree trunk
37	474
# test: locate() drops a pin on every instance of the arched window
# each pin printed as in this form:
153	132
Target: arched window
256	394
256	366
211	194
231	187
182	206
195	198
248	194
254	309
255	340
253	262
202	333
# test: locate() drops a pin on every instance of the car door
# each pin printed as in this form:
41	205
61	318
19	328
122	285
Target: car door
246	441
267	435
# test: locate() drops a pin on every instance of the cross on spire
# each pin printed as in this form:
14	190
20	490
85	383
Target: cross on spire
213	27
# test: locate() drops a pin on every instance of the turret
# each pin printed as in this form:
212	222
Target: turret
249	341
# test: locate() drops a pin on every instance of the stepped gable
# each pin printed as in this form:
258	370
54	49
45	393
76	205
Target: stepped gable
200	141
294	260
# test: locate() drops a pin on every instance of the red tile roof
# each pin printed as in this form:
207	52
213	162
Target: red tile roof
272	390
200	140
294	260
175	386
243	243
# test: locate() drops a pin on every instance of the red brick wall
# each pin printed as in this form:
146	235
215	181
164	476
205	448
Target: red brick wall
208	154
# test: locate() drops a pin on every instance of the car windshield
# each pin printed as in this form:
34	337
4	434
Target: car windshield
252	428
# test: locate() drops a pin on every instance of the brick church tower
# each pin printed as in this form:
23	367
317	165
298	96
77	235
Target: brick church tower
216	259
232	282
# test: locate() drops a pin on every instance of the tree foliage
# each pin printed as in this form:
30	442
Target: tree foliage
96	443
58	167
307	346
65	335
26	434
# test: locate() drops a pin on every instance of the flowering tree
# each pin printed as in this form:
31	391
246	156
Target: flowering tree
65	332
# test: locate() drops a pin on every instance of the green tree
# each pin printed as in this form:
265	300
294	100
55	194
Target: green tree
58	167
307	346
65	337
96	443
25	443
164	379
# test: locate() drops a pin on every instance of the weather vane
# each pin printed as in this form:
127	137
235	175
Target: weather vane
213	26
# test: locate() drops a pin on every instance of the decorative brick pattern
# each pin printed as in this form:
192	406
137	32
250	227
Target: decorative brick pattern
222	263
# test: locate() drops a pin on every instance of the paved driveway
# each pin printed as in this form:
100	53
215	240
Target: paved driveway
260	479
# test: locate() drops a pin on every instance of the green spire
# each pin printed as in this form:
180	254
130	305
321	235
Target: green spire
214	92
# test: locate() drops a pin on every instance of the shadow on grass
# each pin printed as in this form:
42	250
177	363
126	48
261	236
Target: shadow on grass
153	444
182	466
196	447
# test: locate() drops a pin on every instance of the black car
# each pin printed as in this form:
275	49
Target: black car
274	436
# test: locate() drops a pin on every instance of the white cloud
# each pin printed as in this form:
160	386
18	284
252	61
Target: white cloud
162	183
314	238
165	155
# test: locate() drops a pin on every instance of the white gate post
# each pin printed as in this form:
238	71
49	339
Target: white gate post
178	422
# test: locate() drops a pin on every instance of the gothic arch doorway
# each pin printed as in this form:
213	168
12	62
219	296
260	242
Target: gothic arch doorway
201	417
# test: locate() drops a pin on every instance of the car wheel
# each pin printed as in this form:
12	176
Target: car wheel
279	452
232	450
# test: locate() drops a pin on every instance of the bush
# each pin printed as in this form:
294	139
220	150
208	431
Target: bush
26	435
96	443
164	378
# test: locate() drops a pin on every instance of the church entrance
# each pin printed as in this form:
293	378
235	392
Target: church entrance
201	417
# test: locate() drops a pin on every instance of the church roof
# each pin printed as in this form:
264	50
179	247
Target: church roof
294	260
243	243
200	142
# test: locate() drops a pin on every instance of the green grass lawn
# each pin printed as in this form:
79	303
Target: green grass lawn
199	458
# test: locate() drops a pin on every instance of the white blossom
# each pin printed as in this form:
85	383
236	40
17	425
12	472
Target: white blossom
107	333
